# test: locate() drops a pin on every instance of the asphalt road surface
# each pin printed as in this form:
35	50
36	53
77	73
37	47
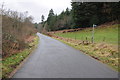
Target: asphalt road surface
54	59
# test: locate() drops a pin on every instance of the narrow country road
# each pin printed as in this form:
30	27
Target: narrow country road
54	59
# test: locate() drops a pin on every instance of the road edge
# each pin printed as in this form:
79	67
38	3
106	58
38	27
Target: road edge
22	63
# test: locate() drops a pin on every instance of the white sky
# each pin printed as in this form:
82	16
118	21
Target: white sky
37	7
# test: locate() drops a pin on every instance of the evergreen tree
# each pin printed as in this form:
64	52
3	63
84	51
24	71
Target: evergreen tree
50	15
67	12
83	15
50	20
42	18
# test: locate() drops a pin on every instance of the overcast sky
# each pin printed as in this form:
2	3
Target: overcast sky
37	7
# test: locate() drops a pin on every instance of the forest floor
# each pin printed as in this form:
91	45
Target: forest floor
105	47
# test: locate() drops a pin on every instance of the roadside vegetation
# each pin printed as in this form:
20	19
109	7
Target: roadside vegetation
99	51
11	62
104	50
18	39
16	27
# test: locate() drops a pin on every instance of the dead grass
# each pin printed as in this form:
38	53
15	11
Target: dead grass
106	53
11	62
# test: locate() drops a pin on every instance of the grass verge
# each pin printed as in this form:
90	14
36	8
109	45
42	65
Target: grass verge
10	63
102	52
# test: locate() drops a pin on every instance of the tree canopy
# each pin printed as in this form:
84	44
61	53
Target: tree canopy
83	15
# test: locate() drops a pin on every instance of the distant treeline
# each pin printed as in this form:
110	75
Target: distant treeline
16	27
81	15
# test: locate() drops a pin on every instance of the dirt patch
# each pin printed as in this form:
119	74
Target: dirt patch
109	24
65	31
29	39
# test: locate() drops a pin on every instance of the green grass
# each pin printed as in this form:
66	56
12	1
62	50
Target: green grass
104	34
10	63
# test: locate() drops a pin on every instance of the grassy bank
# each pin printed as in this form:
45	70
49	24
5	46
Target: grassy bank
107	34
105	48
11	62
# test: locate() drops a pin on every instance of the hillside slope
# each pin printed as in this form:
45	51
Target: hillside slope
107	34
